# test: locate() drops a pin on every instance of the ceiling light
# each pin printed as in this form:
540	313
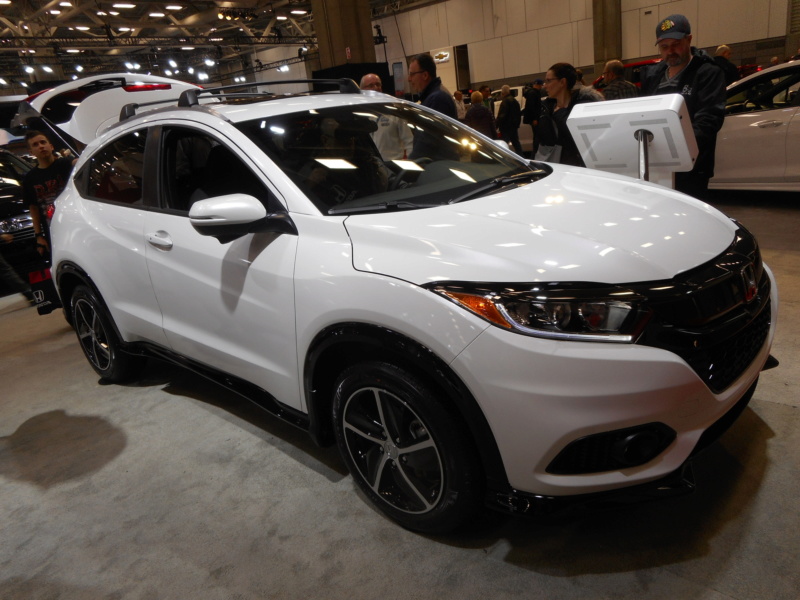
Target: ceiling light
82	28
157	15
173	7
5	1
2	81
65	4
209	62
173	64
54	12
78	68
73	51
29	69
281	18
113	13
187	48
47	69
120	5
101	13
74	77
168	72
299	12
220	15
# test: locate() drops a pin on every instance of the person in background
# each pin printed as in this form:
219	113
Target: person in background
532	110
692	73
486	93
393	138
461	109
42	185
508	118
616	86
423	80
723	59
479	117
559	82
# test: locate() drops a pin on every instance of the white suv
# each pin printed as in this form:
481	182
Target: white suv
470	328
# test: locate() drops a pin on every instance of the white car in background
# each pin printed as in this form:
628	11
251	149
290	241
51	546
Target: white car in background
468	327
78	111
758	147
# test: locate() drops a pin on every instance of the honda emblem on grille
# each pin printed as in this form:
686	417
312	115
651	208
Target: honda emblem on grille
749	280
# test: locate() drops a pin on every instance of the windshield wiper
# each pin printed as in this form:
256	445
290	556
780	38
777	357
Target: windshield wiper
500	182
379	206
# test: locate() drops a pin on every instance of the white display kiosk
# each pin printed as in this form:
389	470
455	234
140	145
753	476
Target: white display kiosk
648	138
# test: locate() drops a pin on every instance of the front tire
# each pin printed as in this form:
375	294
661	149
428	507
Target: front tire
98	338
405	449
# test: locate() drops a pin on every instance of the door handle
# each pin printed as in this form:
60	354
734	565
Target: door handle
160	240
765	124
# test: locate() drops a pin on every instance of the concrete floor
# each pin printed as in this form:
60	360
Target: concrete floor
175	489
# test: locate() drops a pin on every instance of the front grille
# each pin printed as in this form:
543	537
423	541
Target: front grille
717	316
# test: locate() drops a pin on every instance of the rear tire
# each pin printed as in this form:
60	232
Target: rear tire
98	338
405	449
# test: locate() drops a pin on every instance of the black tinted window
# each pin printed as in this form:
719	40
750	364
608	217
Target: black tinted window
115	171
197	166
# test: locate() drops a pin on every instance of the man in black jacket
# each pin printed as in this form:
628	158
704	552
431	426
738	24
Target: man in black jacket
692	73
508	118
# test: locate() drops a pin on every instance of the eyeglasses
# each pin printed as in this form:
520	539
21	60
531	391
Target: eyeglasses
412	73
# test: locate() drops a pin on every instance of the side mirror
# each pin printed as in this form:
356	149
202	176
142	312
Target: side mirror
231	216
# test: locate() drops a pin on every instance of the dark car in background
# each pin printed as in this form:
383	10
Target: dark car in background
15	217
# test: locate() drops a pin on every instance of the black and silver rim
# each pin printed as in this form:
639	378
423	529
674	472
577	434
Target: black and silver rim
393	450
92	335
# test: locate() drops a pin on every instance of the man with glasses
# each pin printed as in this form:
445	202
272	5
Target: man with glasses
616	87
423	80
393	138
692	73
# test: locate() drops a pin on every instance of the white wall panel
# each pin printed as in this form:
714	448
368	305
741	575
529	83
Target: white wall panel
778	18
555	45
736	21
521	54
515	17
649	19
626	5
433	23
495	22
546	13
585	39
465	22
486	60
631	35
580	10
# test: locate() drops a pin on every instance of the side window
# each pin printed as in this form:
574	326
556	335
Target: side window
115	171
197	166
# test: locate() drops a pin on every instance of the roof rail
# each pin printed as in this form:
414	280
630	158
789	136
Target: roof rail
129	110
190	97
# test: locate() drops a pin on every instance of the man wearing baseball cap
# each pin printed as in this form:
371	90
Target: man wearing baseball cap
692	73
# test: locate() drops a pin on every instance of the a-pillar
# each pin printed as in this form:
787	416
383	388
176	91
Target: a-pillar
344	32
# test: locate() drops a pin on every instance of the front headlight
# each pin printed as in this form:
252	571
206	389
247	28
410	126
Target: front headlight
579	312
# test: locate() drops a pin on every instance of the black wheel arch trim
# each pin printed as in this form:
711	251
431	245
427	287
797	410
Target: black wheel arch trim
338	346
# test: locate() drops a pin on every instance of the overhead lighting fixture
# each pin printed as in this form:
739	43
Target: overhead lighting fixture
173	7
209	62
82	28
173	64
102	13
187	48
281	18
29	69
157	15
73	51
65	4
299	12
78	68
54	12
5	1
121	5
47	69
2	81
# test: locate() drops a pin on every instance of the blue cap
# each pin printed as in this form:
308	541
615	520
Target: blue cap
674	27
538	82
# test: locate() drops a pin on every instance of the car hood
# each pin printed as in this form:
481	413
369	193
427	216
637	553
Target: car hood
575	225
11	201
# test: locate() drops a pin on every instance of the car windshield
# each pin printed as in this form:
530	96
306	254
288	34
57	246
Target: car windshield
365	158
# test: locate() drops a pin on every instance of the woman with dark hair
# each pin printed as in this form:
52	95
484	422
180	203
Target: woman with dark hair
558	83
